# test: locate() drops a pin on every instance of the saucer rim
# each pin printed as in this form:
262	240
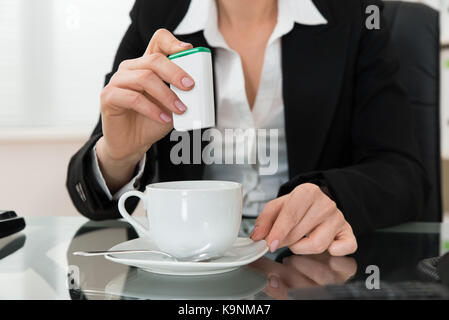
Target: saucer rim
211	264
192	273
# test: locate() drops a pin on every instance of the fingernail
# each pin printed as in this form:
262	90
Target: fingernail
165	117
185	44
274	245
187	82
274	283
180	106
253	232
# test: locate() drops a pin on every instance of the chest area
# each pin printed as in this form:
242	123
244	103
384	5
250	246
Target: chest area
234	105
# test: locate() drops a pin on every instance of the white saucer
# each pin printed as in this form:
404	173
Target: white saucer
242	252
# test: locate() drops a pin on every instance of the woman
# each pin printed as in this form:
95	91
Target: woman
348	162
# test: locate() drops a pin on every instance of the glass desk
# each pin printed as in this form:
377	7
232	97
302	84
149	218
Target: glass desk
38	264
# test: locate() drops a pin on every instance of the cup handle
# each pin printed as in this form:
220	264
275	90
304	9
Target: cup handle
121	208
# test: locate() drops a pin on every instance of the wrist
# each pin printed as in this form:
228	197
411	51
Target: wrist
116	171
105	156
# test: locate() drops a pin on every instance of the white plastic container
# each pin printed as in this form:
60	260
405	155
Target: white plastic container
200	113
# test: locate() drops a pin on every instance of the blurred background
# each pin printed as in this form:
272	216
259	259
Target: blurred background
53	58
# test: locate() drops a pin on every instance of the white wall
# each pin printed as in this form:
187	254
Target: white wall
54	56
33	171
32	176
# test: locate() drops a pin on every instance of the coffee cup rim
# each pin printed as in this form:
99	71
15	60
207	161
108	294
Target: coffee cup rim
220	185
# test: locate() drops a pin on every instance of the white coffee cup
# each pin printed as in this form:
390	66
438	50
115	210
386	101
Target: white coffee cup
188	218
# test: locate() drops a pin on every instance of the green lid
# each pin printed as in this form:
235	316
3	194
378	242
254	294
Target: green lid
187	52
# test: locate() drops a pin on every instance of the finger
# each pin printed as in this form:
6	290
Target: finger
146	80
265	265
318	271
275	273
163	41
276	288
300	279
290	277
266	218
345	242
346	267
163	67
129	99
321	210
320	238
295	279
293	210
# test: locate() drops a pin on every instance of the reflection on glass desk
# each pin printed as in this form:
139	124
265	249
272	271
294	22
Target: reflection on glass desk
38	264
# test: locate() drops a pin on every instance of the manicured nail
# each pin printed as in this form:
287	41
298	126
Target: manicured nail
253	232
180	106
274	283
165	117
274	245
187	82
185	44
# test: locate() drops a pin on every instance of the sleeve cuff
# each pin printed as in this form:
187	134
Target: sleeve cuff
102	183
316	178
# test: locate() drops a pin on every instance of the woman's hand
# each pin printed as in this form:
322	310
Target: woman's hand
136	107
300	272
307	221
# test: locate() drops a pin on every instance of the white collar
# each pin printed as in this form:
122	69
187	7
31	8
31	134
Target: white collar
202	14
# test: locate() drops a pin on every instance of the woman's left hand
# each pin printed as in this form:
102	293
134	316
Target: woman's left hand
300	272
307	221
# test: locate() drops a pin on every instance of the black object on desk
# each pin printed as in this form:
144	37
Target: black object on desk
436	269
10	223
409	290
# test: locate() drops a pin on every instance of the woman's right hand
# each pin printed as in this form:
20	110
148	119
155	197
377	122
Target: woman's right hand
136	107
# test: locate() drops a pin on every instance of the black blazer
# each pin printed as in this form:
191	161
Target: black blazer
348	123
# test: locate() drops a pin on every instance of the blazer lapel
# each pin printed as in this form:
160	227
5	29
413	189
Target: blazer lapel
313	64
